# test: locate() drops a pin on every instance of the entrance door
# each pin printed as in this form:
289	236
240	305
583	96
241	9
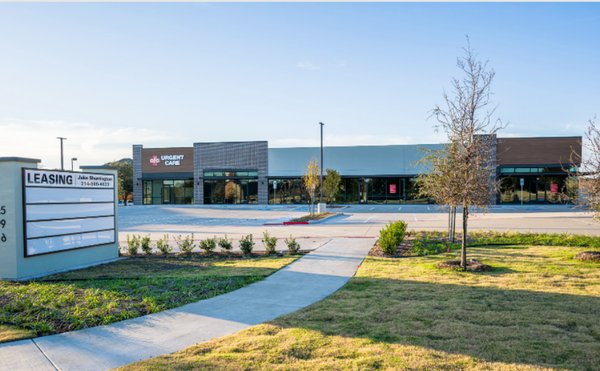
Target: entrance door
167	193
541	191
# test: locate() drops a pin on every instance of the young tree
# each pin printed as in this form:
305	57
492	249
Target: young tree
311	182
462	173
331	184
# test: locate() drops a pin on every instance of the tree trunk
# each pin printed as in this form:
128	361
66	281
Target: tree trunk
452	223
463	252
449	222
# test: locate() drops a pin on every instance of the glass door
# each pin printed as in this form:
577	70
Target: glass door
167	193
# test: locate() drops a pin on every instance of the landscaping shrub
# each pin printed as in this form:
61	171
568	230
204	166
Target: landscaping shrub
145	243
225	244
208	245
391	236
292	245
186	245
425	244
533	239
133	245
162	244
483	238
270	242
246	244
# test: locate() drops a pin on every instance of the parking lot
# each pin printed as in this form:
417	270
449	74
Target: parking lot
354	221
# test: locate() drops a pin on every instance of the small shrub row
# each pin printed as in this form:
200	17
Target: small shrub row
533	239
391	236
482	238
186	244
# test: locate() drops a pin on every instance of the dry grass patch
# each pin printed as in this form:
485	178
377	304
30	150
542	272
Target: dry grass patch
538	308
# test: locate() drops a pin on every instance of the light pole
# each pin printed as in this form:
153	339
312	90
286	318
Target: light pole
73	159
321	166
62	163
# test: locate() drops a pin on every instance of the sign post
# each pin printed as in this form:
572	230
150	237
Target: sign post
522	181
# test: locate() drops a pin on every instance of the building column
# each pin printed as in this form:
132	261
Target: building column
198	177
138	190
492	163
263	190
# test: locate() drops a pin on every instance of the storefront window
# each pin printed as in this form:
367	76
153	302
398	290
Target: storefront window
536	189
383	190
168	191
231	191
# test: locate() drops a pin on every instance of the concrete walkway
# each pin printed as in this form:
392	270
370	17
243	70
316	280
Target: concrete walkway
304	282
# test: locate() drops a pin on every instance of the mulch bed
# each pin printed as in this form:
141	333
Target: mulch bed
472	266
403	250
589	256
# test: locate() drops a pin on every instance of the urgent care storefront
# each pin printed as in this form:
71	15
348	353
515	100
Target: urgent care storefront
252	173
207	173
167	176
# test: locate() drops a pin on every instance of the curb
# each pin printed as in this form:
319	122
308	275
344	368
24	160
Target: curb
307	222
335	215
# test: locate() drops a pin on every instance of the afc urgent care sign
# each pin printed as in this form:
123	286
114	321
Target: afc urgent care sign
168	160
65	210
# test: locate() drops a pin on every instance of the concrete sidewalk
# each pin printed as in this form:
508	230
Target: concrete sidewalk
304	282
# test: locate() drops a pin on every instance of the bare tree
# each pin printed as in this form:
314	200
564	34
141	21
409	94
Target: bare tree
584	184
462	173
311	182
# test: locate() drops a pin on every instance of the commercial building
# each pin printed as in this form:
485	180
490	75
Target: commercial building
253	173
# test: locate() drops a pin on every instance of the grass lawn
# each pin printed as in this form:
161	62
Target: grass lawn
537	309
121	290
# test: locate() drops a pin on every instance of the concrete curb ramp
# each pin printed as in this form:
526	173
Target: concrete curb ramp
304	282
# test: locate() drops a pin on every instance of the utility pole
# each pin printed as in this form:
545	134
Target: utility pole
321	166
73	160
62	162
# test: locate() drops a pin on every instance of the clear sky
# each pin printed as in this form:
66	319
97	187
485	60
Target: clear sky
110	75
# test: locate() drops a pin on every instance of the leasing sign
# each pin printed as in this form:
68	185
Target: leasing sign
67	210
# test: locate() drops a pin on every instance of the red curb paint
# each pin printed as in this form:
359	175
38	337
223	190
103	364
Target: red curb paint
294	223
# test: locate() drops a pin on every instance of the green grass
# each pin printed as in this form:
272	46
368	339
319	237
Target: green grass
121	290
539	308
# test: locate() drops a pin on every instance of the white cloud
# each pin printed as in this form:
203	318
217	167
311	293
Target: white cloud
89	143
307	65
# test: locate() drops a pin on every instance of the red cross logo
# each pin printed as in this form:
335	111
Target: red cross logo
155	160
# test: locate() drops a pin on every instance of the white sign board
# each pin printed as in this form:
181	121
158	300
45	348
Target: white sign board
65	210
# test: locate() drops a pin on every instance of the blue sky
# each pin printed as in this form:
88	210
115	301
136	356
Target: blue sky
109	75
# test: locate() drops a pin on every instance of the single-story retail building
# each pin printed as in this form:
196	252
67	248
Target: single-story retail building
253	173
